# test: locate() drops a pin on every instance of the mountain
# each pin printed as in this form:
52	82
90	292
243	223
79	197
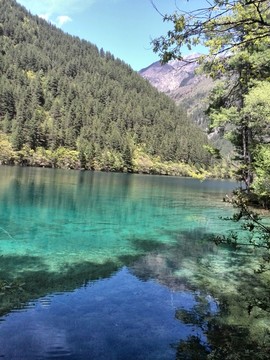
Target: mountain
179	80
169	77
64	102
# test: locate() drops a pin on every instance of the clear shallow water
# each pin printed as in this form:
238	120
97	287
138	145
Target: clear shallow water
63	218
98	265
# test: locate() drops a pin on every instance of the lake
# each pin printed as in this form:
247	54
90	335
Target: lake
115	266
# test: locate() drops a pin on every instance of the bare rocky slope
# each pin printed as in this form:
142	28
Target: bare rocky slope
178	79
181	82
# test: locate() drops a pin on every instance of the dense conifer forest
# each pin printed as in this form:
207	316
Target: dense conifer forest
66	103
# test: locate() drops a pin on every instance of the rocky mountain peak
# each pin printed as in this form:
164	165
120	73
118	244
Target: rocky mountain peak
172	76
179	80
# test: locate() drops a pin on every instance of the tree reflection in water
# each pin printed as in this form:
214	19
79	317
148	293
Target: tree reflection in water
236	324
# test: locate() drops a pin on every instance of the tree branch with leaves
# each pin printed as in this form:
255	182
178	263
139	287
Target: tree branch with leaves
222	26
237	36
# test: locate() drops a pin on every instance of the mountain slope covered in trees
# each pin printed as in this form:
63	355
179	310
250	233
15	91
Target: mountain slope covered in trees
63	97
183	82
179	80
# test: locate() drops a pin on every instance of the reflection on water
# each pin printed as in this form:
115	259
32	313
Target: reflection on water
114	266
116	318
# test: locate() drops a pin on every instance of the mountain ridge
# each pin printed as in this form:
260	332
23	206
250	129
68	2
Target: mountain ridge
178	80
189	89
60	92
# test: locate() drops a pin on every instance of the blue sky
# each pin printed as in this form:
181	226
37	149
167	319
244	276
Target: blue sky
123	27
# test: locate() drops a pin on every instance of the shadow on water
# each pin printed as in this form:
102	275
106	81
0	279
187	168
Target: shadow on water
173	264
239	328
17	287
24	278
224	341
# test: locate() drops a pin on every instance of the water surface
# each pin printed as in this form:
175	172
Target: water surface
102	266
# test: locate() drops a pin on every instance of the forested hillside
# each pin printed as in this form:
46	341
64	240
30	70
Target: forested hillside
180	81
64	102
185	83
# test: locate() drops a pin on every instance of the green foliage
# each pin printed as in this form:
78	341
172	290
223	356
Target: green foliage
257	105
7	154
237	36
262	180
222	26
58	92
239	106
132	159
213	151
143	163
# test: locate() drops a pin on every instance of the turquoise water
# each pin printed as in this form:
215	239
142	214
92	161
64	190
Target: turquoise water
98	265
63	218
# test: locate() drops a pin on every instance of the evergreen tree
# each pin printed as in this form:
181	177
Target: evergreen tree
56	90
